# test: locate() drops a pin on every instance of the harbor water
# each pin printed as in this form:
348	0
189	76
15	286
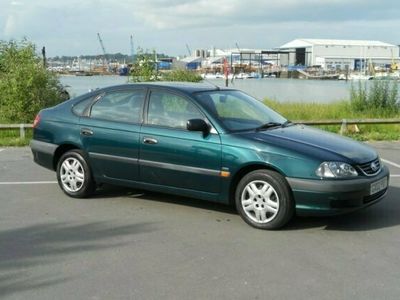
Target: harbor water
283	90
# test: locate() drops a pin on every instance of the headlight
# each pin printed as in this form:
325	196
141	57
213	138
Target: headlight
334	169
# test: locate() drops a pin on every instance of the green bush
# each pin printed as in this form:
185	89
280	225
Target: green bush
182	75
144	68
25	85
381	95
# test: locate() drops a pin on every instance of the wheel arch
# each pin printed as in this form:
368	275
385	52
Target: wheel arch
243	172
61	149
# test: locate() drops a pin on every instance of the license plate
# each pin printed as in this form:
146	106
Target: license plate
378	186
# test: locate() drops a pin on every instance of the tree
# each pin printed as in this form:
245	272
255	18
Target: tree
25	85
144	69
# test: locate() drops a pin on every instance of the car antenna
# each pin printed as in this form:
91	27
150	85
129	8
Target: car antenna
211	83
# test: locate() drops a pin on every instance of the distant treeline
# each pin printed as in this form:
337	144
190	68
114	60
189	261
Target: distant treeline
109	57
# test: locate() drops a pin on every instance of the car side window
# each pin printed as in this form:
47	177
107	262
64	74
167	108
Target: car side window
171	110
121	106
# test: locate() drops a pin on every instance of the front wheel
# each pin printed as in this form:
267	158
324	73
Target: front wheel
74	175
264	200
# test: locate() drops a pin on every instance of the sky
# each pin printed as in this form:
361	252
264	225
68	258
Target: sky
70	27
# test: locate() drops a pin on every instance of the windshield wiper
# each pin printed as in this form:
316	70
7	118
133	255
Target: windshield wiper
274	124
287	123
269	125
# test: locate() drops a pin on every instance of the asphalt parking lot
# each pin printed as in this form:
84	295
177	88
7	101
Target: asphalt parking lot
126	244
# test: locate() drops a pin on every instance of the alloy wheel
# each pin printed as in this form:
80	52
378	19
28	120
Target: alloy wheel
72	174
260	201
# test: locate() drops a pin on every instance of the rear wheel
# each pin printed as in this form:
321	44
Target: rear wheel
263	199
74	175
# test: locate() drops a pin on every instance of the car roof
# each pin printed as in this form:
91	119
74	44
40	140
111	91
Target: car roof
186	87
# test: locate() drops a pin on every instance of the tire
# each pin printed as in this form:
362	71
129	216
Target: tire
264	200
74	175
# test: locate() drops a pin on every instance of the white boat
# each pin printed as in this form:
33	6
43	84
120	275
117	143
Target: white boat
212	76
360	77
386	75
215	76
242	76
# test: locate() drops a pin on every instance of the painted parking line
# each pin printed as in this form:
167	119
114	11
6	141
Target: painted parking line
390	163
2	150
26	182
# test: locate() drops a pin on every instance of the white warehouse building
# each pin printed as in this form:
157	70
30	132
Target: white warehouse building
339	54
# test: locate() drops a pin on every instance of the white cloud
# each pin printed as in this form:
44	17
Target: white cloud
177	14
70	27
16	3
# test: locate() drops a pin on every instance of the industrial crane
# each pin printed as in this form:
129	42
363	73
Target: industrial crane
188	49
102	48
237	46
132	49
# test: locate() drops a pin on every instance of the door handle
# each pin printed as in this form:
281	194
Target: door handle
148	140
86	131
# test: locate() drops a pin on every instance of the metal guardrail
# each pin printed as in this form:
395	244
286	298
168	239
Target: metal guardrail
343	123
21	127
349	121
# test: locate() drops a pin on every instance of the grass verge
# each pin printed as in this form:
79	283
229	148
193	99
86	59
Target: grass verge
10	137
338	111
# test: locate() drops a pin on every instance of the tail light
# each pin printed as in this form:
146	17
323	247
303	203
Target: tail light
36	121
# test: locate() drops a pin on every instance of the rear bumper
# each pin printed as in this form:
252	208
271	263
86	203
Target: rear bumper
330	197
43	153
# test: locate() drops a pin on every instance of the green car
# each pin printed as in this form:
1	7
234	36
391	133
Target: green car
201	141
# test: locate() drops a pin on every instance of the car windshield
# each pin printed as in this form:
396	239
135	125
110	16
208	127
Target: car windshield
237	111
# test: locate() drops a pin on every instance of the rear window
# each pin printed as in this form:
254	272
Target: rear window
120	106
81	106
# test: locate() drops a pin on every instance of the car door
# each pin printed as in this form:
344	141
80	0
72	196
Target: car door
170	155
110	133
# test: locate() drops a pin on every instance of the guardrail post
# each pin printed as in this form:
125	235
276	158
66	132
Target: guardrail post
343	128
22	131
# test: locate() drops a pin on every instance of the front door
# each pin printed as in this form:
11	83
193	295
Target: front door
170	155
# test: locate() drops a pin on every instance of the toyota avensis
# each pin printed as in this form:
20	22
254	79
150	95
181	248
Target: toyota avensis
201	141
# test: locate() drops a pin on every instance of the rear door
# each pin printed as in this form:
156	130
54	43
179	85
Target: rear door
110	133
170	155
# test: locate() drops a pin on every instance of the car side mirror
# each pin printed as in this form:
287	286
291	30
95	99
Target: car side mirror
198	125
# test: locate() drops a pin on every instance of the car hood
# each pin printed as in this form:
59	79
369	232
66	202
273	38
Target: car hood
317	143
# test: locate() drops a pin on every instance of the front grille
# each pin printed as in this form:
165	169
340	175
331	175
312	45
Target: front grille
368	169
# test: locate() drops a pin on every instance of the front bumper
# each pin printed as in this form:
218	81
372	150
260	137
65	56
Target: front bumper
330	197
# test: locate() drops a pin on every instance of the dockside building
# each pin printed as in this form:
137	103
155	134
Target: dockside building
339	54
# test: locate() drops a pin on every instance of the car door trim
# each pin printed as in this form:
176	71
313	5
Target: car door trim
113	157
150	163
181	168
